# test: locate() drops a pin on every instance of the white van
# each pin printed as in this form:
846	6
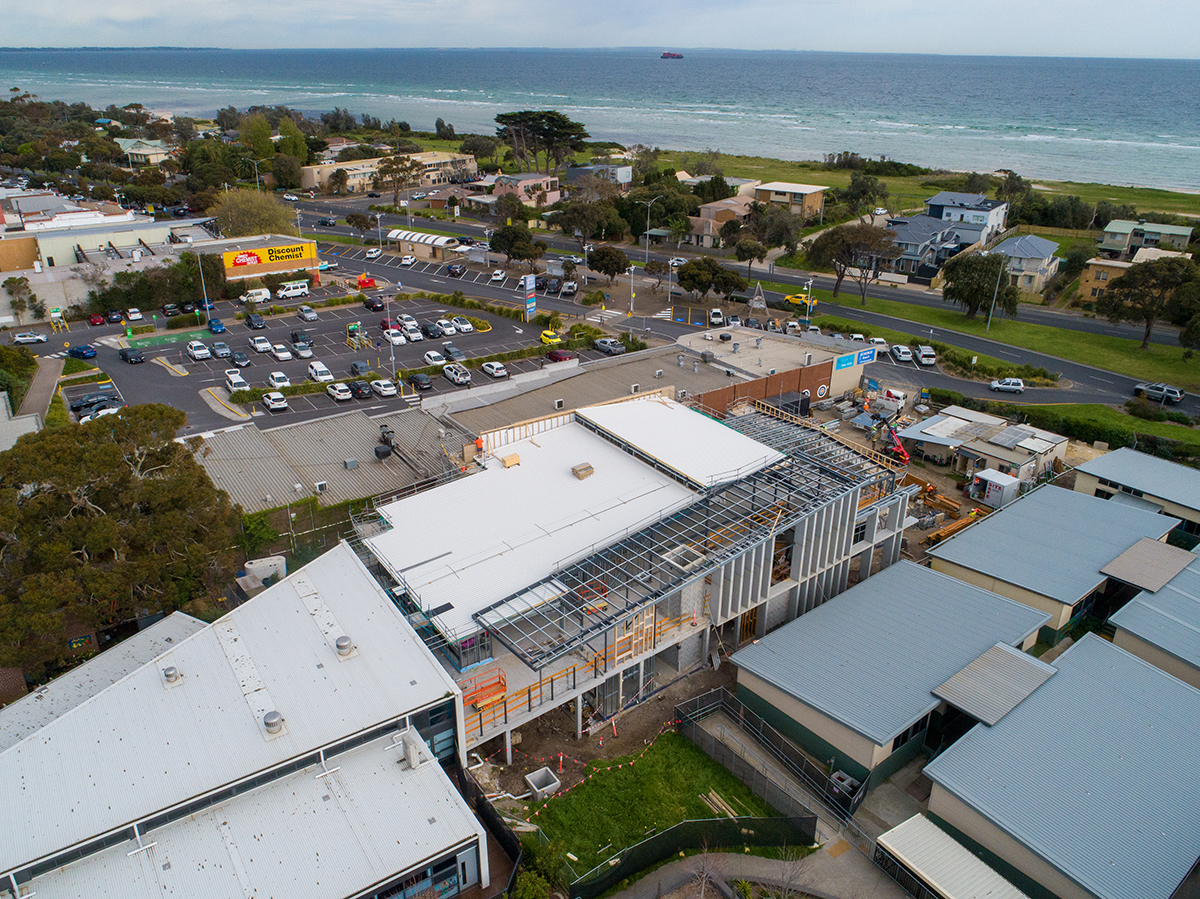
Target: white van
716	318
290	289
257	295
926	355
319	372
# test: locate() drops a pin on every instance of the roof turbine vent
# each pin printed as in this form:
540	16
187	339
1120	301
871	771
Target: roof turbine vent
345	645
273	722
171	674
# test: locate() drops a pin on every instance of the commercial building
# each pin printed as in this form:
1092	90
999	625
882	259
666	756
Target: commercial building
263	254
437	167
1055	550
1161	624
612	546
1122	239
45	211
1087	788
293	748
806	200
975	441
973	209
432	247
906	659
1133	478
940	437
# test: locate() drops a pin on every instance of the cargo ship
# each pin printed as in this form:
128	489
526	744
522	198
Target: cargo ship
667	54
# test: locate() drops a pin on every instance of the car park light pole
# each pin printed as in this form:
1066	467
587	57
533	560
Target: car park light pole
647	204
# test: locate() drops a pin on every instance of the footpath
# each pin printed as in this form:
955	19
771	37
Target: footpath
41	390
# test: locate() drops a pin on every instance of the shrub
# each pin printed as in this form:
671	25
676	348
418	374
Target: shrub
190	320
595	298
631	343
143	329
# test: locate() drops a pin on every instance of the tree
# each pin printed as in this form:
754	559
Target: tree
397	173
529	251
20	294
292	141
505	239
712	189
255	133
478	145
747	251
243	212
531	133
361	223
1141	294
832	249
608	260
680	227
976	183
864	192
579	220
286	170
699	275
338	181
1014	189
727	282
658	270
971	282
443	131
228	118
780	228
101	523
730	232
509	208
1189	337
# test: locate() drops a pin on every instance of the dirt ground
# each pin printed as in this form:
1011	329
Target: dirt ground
543	739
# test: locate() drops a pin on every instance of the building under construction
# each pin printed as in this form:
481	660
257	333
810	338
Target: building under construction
603	552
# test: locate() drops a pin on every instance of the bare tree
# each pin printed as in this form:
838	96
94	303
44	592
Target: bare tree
93	274
703	868
796	861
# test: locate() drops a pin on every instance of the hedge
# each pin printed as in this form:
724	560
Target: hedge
188	320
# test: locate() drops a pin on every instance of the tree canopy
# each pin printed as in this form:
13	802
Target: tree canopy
701	275
973	279
243	212
1142	294
847	247
531	133
609	261
101	523
397	173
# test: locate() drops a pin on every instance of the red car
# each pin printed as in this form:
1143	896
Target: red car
387	323
560	355
96	319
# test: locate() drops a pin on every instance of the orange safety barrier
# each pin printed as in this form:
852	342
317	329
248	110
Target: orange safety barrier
485	689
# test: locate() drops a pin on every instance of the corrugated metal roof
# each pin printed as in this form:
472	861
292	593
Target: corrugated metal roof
141	746
704	451
1149	474
298	836
1095	772
870	657
1169	618
433	240
1149	564
1052	541
944	863
1026	246
474	541
992	685
37	709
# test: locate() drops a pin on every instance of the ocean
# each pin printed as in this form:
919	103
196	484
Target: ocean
1115	121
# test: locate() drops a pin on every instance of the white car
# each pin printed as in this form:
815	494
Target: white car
901	353
307	314
413	332
464	326
339	392
879	210
302	351
1008	385
234	380
291	198
134	315
274	402
857	338
495	370
320	373
197	350
877	341
278	379
260	344
383	388
677	261
433	357
457	374
499	276
394	337
418	196
408	320
100	414
447	326
374	253
29	337
281	353
408	260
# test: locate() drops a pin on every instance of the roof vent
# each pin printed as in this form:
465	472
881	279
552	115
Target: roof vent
344	645
273	722
171	674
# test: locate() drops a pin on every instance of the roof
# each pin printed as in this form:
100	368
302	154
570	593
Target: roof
518	177
1026	246
144	745
37	709
1138	471
1149	564
1094	772
992	685
956	198
1169	617
433	240
1062	538
944	863
526	521
870	657
953	426
917	229
13	427
791	187
1147	254
1121	226
692	445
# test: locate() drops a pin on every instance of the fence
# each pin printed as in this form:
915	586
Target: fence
899	873
495	825
711	835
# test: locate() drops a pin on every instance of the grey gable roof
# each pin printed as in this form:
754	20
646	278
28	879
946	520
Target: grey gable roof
1139	471
1168	618
1027	246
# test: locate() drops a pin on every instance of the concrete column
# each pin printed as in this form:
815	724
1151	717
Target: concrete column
579	717
508	747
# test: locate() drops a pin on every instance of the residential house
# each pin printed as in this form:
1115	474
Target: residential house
143	152
619	175
743	187
529	188
1031	261
806	200
437	168
443	196
925	243
951	206
1122	239
706	227
1093	282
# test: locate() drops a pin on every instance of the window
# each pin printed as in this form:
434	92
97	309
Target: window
1102	276
1095	292
860	532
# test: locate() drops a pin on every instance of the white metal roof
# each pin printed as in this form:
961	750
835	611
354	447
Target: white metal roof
299	836
704	451
433	240
945	864
143	745
474	541
1149	564
35	710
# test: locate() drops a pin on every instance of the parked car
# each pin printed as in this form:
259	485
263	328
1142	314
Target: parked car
255	321
431	330
260	344
360	390
462	324
457	374
901	353
374	253
499	276
281	353
569	289
221	350
170	310
395	337
926	355
495	370
216	326
302	351
755	323
29	337
291	198
877	341
131	355
383	388
1008	385
277	379
89	400
453	353
339	392
187	308
240	359
100	413
274	402
307	314
83	351
407	320
433	357
554	285
420	380
1159	393
408	260
359	369
734	321
373	193
879	210
319	372
539	282
95	319
716	318
551	338
327	222
115	317
560	355
413	333
234	381
373	304
609	346
134	315
456	270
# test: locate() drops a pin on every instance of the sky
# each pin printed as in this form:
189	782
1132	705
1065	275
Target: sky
1102	28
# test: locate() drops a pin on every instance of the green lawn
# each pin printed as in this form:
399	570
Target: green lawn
1066	243
624	805
1105	415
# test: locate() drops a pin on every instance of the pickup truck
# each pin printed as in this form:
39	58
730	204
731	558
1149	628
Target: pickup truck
1158	393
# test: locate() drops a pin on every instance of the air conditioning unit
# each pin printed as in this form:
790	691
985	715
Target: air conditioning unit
558	404
658	373
635	388
350	464
681	394
297	487
770	371
321	486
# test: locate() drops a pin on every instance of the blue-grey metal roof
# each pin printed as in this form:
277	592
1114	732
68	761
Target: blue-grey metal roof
917	229
1168	619
870	657
1026	246
955	198
1052	541
1149	474
992	685
1095	772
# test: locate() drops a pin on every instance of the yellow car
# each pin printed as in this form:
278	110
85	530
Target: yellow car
799	299
551	338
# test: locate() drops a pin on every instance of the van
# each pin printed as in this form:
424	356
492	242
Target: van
257	295
290	289
926	355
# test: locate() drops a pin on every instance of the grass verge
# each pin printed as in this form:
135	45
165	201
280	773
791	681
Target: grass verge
57	415
72	366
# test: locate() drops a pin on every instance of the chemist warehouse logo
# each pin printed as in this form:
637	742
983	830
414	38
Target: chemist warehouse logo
247	257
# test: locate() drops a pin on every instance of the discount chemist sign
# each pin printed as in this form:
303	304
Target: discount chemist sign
269	255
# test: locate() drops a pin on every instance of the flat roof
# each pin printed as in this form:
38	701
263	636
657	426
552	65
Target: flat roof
1168	618
871	657
37	709
1052	541
1168	480
694	446
760	351
144	745
1149	564
467	544
300	835
944	863
992	685
1094	772
791	187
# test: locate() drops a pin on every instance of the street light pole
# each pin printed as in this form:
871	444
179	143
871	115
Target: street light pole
648	204
995	293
